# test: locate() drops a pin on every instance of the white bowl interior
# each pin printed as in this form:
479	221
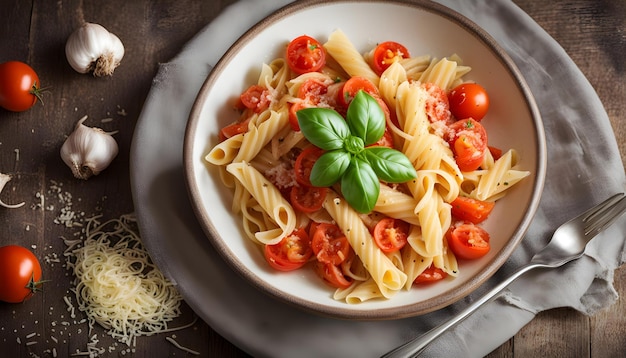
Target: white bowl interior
512	122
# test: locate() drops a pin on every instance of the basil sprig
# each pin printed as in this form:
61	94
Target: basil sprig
349	157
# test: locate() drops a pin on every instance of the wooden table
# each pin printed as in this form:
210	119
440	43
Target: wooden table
591	31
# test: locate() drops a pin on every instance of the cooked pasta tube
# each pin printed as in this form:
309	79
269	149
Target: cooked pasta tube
387	276
269	198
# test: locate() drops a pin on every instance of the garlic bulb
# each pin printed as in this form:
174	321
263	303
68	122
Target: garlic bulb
92	48
88	151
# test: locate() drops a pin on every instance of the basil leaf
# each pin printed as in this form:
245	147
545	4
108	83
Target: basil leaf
360	186
389	164
366	118
323	127
329	168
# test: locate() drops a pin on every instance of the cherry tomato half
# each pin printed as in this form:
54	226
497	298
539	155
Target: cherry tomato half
469	100
304	163
290	253
256	98
430	275
332	274
387	53
468	241
329	244
307	199
311	93
305	54
20	87
472	210
469	144
234	129
352	86
20	274
312	90
391	234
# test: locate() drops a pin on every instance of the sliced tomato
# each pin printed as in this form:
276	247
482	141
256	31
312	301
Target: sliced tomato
304	163
311	93
352	86
256	97
329	244
234	129
387	53
469	143
469	100
468	241
307	199
332	274
391	234
312	90
472	210
305	54
430	275
437	106
293	117
290	253
496	153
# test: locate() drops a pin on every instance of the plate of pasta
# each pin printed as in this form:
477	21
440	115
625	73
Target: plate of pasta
381	163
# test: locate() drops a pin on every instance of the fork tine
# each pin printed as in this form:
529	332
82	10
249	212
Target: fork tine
603	215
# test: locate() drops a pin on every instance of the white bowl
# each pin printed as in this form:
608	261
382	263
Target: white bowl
423	27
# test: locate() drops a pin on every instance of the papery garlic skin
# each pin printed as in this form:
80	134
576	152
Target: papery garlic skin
91	47
88	151
4	179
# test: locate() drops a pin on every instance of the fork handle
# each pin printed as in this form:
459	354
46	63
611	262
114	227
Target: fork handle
415	346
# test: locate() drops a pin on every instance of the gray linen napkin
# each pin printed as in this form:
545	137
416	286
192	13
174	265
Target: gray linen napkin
578	133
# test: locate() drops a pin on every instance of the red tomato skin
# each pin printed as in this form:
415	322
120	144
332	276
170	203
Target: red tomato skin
496	153
468	241
430	275
20	274
329	244
387	53
390	235
472	210
304	163
19	86
352	86
312	90
256	98
291	253
469	100
233	129
307	199
332	275
305	54
468	143
311	93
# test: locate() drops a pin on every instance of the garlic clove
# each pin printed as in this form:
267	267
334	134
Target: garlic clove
87	151
92	48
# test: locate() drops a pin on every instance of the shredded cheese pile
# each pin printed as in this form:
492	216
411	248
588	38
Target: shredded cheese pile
117	285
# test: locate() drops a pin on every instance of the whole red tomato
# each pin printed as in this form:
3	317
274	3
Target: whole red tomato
20	274
19	86
469	100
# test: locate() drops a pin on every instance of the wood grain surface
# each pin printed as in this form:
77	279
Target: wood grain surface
592	32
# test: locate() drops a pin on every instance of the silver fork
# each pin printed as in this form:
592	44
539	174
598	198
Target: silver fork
567	244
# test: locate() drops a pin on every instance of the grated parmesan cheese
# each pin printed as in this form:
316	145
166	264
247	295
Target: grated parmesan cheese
117	285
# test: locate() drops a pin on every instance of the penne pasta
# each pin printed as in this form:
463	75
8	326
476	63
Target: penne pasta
264	163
